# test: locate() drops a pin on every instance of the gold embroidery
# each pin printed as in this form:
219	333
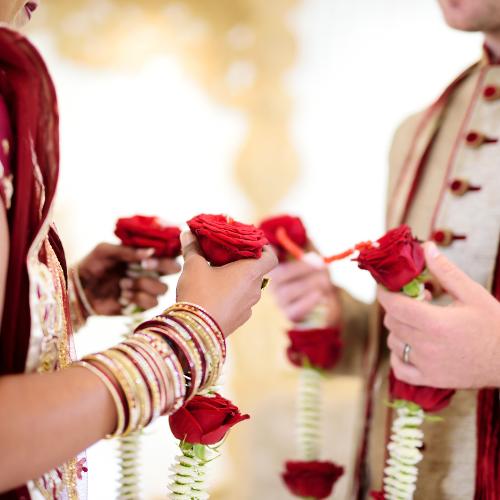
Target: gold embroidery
49	284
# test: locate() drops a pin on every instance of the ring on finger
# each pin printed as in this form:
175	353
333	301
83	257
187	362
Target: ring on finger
406	354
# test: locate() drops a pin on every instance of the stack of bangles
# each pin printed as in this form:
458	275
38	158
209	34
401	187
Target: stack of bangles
166	362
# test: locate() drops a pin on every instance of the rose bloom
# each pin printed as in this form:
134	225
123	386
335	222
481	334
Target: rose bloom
141	231
396	261
430	399
312	479
321	347
294	228
377	495
205	420
223	240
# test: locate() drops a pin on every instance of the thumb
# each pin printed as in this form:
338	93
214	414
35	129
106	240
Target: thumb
190	246
451	278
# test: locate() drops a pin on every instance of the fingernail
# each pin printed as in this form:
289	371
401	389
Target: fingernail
431	250
150	264
144	253
187	237
126	283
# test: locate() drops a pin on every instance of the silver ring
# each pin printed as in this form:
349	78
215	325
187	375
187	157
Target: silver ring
406	353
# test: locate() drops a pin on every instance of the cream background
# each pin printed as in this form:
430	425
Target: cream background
151	140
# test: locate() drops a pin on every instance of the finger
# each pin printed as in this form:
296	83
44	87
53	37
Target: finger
406	372
268	261
122	253
405	333
395	345
150	286
166	266
126	284
143	300
190	246
416	313
292	291
291	271
450	277
302	307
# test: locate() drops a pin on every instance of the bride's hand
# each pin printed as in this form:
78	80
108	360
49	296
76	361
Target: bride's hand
228	292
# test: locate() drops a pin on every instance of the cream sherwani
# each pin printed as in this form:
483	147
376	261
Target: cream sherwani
444	183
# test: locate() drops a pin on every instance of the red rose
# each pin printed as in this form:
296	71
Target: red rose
377	495
430	399
312	479
322	347
223	240
294	228
149	232
396	261
205	420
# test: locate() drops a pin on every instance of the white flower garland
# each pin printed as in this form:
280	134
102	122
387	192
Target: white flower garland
129	447
401	473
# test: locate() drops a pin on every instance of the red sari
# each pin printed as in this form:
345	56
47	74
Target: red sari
36	328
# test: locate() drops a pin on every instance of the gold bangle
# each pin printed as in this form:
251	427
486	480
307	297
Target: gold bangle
186	344
211	353
149	377
126	385
205	316
81	292
120	410
169	366
139	385
172	363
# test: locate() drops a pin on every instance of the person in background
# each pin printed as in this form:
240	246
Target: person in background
51	408
444	182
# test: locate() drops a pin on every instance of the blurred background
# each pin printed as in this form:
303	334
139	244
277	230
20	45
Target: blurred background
246	107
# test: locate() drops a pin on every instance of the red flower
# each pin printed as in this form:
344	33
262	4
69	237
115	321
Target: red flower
396	261
322	347
223	240
312	479
377	495
205	420
149	232
294	228
430	399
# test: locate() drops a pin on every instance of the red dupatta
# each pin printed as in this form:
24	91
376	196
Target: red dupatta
29	93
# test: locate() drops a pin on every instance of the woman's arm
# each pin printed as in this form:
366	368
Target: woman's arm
46	418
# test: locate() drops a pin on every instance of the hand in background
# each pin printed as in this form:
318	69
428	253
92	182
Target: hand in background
300	286
105	282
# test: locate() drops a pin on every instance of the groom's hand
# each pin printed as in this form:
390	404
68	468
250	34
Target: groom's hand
457	346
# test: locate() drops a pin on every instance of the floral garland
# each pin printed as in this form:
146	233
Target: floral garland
202	424
314	349
397	262
140	231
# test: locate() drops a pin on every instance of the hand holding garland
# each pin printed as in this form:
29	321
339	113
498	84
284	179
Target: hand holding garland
315	348
457	346
201	424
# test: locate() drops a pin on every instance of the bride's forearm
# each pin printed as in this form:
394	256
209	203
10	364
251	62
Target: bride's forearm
47	419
